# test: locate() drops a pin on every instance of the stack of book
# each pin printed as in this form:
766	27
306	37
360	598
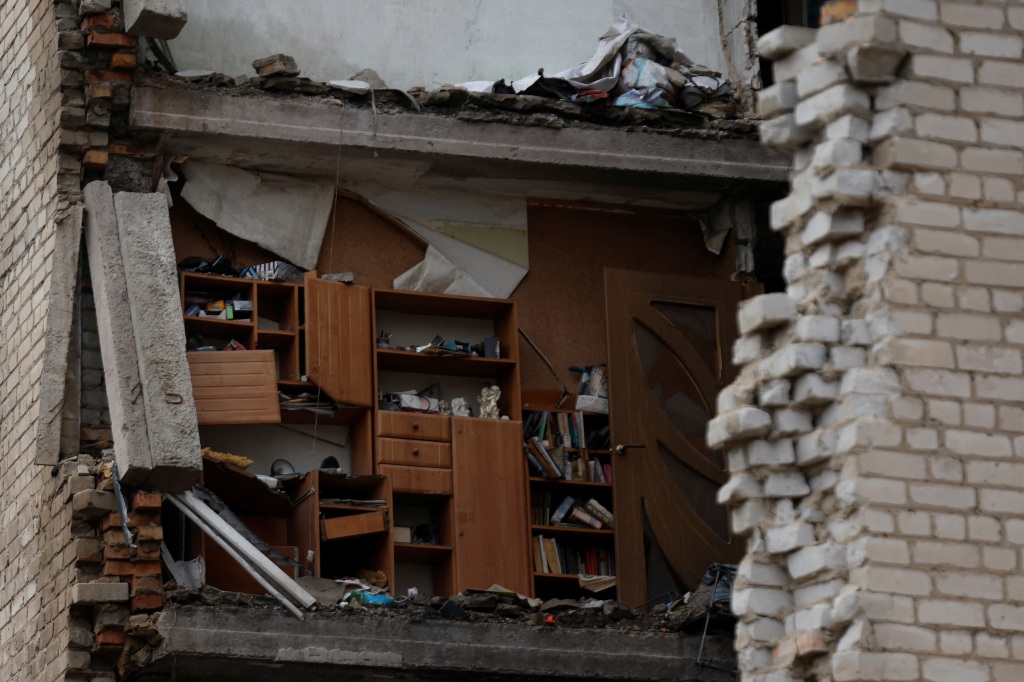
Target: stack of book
570	514
555	444
552	556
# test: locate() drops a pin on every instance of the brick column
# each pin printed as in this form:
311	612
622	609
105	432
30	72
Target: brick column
874	433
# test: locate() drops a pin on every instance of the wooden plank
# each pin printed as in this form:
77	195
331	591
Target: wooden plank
353	525
491	533
339	343
238	387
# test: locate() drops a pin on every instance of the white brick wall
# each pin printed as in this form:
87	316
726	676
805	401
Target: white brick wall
912	535
35	566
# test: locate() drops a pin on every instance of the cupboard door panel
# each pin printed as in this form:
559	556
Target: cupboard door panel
339	343
424	480
236	387
491	535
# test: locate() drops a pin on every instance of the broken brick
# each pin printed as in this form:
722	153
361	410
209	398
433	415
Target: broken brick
276	65
132	149
126	568
145	584
122	552
94	75
110	638
147	602
87	551
124	60
145	502
95	158
111	40
155	533
93	21
100	91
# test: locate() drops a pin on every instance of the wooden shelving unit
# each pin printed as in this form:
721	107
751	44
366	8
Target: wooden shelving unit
463	474
545	494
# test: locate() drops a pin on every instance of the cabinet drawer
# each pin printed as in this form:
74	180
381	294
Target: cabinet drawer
414	425
418	479
421	453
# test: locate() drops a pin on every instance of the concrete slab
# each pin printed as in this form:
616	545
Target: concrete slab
206	643
154	18
203	122
57	337
144	227
117	337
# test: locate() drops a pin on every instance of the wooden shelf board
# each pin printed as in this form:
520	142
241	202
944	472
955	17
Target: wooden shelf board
266	338
407	361
562	481
421	553
351	507
213	325
572	532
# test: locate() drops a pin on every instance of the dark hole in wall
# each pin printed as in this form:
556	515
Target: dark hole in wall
769	252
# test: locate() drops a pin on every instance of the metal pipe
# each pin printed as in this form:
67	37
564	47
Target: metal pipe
226	546
255	558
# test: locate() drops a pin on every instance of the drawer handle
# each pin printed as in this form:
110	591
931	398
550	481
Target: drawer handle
415	425
416	451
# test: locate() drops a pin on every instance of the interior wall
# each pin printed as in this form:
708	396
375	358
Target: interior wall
561	300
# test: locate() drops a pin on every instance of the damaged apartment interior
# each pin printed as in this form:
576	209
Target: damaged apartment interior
404	370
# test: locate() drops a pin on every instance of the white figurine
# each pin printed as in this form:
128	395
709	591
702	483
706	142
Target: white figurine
460	408
489	402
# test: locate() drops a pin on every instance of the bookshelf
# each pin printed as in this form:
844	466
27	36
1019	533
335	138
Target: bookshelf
562	550
459	480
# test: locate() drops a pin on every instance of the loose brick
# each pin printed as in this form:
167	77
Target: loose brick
146	602
111	40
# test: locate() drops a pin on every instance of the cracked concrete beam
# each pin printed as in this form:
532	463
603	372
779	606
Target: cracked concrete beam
155	18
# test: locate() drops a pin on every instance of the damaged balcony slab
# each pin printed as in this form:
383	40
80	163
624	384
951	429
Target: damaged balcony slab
299	135
204	643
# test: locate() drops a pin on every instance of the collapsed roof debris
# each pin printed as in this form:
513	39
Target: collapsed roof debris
634	78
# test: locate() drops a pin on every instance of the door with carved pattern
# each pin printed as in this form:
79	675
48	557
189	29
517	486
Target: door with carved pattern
669	346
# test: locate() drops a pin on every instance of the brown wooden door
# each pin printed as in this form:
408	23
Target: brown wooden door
339	340
669	345
491	535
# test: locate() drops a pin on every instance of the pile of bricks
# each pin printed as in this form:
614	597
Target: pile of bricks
118	588
872	431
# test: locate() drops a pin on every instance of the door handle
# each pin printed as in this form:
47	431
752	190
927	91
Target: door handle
621	449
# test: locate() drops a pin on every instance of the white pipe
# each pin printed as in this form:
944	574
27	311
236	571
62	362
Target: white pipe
226	546
255	558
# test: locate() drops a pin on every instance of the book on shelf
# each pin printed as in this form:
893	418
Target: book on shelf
563	509
551	555
582	516
607	468
600	511
539	560
543	459
534	464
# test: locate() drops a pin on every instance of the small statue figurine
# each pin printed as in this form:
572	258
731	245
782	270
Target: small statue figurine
443	407
489	402
460	408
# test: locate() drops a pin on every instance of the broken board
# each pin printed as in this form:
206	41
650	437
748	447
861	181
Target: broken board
235	387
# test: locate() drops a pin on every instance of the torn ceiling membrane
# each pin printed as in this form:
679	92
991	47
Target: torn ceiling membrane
479	242
283	214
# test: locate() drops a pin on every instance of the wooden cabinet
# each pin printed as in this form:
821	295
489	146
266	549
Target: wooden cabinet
339	342
461	476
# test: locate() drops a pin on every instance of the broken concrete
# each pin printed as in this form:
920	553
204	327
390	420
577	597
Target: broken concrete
57	337
154	18
276	65
117	338
144	227
204	643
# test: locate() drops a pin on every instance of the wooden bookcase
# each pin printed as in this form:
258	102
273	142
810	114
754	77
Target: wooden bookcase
461	480
275	324
464	475
545	495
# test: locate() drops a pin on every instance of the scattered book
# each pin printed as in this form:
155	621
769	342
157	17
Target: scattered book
578	514
600	511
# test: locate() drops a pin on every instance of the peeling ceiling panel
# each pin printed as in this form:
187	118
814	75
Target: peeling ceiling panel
283	214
